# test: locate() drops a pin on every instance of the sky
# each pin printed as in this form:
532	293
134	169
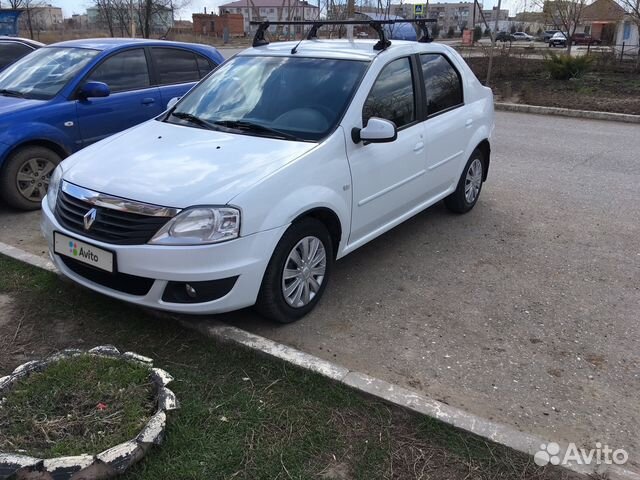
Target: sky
70	7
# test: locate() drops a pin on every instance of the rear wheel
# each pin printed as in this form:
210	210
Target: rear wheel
25	177
469	186
297	273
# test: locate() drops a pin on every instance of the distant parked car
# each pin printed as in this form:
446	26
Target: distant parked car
547	34
558	40
68	95
584	39
14	48
521	37
504	37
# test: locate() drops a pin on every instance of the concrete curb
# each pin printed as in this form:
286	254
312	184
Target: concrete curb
390	393
26	257
567	112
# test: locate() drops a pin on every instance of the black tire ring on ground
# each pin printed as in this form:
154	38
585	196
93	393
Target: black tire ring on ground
113	461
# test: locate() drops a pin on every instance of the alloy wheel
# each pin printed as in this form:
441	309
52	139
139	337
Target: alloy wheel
304	272
473	181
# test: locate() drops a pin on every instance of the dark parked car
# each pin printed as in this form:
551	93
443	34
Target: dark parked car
504	37
14	48
68	95
584	39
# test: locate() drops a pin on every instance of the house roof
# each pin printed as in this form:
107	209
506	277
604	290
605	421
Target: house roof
603	11
267	3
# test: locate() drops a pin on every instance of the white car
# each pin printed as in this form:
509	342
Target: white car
281	161
521	36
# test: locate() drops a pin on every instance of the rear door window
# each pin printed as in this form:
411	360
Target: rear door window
174	65
11	51
442	83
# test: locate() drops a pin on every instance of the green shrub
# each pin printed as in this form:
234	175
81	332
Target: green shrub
487	32
477	34
565	67
451	32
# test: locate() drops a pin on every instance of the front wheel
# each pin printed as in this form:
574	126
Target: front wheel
469	186
298	272
25	177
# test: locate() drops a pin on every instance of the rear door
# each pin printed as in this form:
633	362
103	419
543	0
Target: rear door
177	70
449	125
132	100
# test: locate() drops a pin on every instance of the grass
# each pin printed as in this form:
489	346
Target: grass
78	405
242	415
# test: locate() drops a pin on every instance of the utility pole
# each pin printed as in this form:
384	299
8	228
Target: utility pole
493	44
351	11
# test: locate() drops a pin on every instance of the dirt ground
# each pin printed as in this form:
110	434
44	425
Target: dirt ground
607	87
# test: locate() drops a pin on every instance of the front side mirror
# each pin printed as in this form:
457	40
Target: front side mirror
95	90
378	130
172	103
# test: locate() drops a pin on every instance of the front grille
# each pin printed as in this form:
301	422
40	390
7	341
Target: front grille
110	226
121	282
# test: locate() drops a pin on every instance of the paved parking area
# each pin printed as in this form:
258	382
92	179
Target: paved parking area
524	311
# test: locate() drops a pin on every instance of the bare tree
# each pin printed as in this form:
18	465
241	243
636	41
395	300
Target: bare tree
28	7
632	7
565	14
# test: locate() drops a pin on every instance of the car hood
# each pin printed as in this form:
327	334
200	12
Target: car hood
15	104
179	166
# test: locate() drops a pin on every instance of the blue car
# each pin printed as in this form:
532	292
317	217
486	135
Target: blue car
63	97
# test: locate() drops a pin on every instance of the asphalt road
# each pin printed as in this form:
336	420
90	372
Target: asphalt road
524	311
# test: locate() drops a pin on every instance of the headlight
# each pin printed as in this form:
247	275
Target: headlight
54	187
200	225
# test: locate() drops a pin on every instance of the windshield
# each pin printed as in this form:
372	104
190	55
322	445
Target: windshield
44	72
281	97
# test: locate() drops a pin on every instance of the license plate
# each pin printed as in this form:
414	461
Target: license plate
83	252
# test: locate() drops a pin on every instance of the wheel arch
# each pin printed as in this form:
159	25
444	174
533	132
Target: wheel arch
51	145
485	147
330	220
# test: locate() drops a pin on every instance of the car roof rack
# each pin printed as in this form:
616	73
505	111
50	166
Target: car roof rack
259	39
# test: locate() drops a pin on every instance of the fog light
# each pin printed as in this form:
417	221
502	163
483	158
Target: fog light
191	292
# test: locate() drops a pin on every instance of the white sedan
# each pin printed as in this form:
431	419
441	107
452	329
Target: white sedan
280	162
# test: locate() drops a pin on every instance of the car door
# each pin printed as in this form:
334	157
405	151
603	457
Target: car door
386	179
132	99
449	123
177	70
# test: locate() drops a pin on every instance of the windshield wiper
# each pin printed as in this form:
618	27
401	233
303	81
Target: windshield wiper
256	127
193	119
11	93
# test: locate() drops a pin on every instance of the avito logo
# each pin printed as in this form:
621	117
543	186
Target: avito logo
82	252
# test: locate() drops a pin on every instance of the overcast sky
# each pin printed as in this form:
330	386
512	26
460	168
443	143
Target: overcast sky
79	6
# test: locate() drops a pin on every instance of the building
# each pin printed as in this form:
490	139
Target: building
46	17
272	10
216	25
494	14
601	19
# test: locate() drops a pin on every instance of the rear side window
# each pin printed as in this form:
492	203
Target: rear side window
11	51
442	83
204	65
123	71
392	96
175	66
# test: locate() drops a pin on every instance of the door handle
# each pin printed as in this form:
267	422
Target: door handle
148	101
419	146
468	123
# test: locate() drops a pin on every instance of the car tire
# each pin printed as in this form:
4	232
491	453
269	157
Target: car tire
278	298
33	164
470	181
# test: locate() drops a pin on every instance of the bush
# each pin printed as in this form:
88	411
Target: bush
565	67
513	29
487	32
477	34
451	32
435	30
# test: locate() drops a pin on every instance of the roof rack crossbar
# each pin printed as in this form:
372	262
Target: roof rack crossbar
377	25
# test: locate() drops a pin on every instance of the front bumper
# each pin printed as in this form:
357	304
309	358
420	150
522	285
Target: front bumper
245	258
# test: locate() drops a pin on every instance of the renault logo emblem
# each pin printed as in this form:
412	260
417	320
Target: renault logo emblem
89	218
